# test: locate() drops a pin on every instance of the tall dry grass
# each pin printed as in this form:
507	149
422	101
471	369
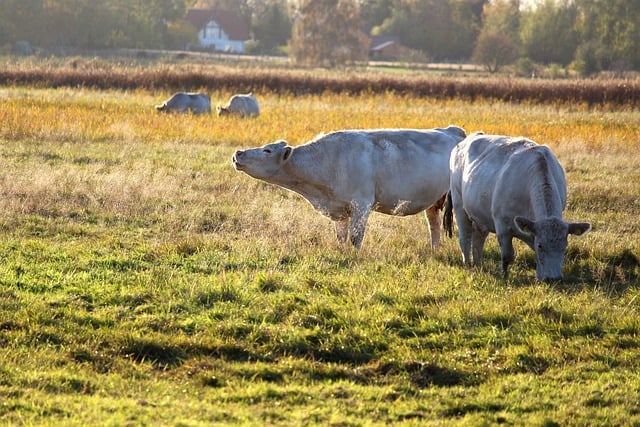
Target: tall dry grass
213	76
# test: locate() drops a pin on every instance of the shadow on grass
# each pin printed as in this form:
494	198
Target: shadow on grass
168	356
460	411
423	375
162	356
611	273
420	375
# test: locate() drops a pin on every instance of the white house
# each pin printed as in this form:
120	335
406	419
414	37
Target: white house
221	30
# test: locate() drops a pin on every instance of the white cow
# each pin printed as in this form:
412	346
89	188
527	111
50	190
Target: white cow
182	102
515	188
347	174
241	105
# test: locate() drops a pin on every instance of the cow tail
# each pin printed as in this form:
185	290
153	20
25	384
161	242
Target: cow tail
447	220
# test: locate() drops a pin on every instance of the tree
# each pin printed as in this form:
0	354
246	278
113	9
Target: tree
147	21
424	25
503	17
497	43
374	12
20	20
271	26
614	25
590	57
493	51
466	19
74	23
549	33
235	5
327	33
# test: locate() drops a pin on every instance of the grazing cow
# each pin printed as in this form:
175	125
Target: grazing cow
240	105
515	188
181	102
347	174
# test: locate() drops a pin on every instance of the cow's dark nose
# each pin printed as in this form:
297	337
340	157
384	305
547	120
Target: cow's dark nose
237	156
552	279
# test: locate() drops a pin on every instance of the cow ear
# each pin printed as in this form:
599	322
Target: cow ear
286	153
524	225
579	228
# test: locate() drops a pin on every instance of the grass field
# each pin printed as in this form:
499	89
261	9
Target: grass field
145	282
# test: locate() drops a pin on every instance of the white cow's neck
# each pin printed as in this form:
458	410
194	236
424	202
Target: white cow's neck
303	174
545	198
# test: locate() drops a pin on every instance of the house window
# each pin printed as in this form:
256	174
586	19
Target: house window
212	30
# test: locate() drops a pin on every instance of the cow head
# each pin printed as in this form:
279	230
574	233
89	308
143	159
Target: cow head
222	111
263	162
550	243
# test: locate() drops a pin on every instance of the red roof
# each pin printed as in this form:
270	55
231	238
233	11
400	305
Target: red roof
230	22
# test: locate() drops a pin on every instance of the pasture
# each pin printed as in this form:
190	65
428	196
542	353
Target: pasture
145	282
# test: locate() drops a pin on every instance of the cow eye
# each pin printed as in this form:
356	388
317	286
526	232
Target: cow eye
266	150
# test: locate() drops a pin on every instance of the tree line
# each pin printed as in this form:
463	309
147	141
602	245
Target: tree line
587	35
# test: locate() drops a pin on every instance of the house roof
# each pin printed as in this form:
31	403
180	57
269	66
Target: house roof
230	22
381	41
383	45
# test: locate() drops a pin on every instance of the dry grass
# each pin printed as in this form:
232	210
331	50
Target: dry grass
259	77
114	140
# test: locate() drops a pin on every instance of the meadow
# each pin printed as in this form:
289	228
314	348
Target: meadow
143	281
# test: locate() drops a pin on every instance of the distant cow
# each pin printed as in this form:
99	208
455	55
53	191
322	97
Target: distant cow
515	188
347	174
240	105
181	102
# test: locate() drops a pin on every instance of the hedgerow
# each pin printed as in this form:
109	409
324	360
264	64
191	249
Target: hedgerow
614	92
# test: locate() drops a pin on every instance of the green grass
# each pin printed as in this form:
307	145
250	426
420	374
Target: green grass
145	282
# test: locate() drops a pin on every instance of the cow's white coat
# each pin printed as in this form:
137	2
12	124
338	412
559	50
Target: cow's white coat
186	102
347	174
515	188
243	105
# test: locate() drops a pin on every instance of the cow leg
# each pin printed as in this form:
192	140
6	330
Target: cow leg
505	239
358	222
342	229
465	231
479	237
433	217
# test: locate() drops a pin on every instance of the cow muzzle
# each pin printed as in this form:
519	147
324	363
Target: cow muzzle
551	279
549	275
235	159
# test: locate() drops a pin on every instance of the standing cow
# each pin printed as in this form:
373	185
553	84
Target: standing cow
182	102
347	174
515	188
240	105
